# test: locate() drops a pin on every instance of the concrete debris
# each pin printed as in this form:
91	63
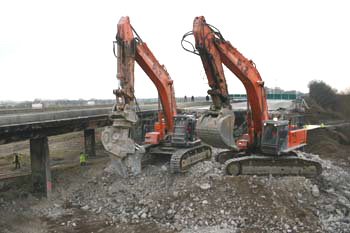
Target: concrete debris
164	168
85	207
205	186
315	191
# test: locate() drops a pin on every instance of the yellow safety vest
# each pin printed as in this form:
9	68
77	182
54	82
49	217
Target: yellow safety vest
82	158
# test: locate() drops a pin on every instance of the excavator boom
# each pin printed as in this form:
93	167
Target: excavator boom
247	73
161	79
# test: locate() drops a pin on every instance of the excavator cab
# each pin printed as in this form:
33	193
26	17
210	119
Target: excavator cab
184	131
274	138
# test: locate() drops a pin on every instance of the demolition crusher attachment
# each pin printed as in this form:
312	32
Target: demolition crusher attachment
125	154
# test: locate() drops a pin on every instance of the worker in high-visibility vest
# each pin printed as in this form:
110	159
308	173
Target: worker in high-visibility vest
82	159
322	125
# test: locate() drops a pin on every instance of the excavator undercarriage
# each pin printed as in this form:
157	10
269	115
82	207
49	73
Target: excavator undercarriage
291	164
181	159
128	158
183	146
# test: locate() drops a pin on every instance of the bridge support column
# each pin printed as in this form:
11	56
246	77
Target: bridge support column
40	164
89	135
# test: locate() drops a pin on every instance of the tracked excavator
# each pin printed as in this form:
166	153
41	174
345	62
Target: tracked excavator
270	145
173	135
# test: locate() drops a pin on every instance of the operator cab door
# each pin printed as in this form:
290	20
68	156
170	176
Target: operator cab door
274	138
183	129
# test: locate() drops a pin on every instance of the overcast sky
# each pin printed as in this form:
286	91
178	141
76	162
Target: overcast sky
63	49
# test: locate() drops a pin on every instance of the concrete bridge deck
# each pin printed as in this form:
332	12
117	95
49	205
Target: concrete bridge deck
17	127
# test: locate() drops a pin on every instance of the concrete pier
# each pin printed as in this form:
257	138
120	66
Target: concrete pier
40	164
89	136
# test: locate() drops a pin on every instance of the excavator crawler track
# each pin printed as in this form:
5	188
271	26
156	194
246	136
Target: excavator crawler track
292	164
223	156
183	159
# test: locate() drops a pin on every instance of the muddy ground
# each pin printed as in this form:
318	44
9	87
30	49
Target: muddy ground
90	199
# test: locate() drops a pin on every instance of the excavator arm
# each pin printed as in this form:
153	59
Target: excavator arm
210	57
215	127
126	46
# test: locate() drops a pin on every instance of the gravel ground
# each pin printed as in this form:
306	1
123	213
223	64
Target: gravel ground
203	200
90	199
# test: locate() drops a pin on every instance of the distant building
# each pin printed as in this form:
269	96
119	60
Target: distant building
37	106
91	103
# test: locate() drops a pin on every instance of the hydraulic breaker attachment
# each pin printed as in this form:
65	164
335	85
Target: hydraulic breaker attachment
216	128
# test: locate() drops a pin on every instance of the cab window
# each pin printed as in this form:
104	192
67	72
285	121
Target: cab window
270	135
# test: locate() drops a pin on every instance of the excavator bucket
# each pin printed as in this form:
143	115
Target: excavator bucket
216	129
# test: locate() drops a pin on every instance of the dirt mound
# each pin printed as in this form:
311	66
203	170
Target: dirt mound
330	143
323	96
316	113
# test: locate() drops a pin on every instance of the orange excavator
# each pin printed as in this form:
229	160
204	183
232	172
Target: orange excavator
174	134
268	146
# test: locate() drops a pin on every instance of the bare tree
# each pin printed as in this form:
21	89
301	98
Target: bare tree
323	94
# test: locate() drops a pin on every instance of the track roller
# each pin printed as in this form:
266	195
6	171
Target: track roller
183	159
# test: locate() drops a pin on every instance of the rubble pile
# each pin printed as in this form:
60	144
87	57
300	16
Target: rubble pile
91	199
